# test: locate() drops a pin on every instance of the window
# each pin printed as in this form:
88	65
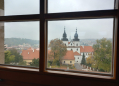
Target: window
46	17
70	61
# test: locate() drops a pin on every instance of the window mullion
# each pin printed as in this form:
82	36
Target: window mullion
43	9
82	15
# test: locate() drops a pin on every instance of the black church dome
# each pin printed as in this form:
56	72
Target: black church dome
76	36
64	36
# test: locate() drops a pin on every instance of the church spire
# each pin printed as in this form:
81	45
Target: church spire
64	36
76	36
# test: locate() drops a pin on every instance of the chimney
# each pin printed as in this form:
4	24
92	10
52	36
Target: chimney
33	50
83	46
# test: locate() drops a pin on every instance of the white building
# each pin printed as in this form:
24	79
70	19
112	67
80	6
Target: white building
78	50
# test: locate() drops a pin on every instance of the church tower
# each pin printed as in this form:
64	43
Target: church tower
76	36
76	42
64	39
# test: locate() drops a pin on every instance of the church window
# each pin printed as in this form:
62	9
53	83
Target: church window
71	49
77	61
64	61
71	44
76	44
65	44
77	49
78	57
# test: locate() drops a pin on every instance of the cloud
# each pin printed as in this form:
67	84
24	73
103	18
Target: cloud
86	28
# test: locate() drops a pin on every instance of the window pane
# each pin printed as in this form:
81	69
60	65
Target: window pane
78	5
21	43
18	7
80	45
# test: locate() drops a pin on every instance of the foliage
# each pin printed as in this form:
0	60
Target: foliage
90	60
58	50
50	62
56	62
23	63
35	62
102	55
83	61
48	65
9	58
18	58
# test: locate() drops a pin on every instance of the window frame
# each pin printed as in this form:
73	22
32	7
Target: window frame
43	17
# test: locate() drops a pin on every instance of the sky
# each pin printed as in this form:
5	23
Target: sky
86	28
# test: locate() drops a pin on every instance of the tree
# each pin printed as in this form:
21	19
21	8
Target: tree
58	50
90	60
18	58
9	58
83	61
103	54
22	63
35	62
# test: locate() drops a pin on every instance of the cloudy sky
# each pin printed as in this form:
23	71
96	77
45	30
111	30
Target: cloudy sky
87	28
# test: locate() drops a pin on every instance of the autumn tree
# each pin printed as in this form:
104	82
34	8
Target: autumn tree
83	61
9	58
58	50
90	60
35	62
103	55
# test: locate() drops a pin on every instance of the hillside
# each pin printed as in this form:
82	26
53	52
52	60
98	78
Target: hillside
19	41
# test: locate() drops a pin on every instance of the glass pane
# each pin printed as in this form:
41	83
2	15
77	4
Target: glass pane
55	6
18	7
80	45
21	43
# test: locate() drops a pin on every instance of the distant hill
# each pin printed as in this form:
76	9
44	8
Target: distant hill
19	41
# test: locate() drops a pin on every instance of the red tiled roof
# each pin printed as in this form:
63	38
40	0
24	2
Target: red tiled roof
86	49
69	56
30	54
76	53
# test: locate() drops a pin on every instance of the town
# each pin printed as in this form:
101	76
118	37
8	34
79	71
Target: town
63	54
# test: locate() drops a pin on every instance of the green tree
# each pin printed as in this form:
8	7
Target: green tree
58	50
9	58
18	57
102	55
35	62
83	61
22	63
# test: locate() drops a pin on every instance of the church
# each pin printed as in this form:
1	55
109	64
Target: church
75	50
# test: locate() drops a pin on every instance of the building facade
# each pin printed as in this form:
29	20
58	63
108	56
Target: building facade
77	49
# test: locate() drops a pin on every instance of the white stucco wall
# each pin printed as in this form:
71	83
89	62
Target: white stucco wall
74	49
65	42
71	44
78	58
76	42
